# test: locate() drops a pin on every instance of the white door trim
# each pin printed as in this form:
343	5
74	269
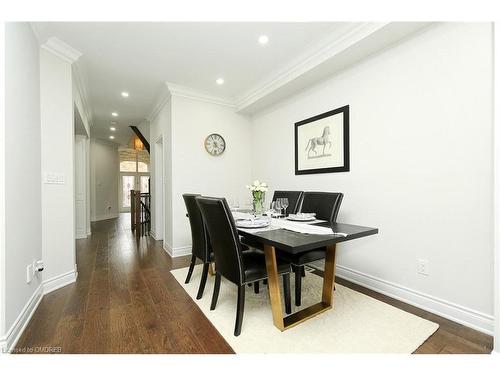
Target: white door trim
496	197
158	209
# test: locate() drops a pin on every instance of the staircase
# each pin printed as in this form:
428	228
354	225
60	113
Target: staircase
140	213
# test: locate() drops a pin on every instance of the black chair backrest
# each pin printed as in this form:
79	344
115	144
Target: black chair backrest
293	199
199	235
325	205
224	238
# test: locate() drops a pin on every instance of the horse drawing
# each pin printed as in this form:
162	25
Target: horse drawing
319	141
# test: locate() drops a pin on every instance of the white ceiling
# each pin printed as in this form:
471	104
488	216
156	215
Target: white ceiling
140	57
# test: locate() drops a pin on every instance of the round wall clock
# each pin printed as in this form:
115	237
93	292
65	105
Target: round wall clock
215	144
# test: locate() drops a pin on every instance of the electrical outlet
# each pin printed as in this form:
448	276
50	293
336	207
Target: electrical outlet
29	273
423	267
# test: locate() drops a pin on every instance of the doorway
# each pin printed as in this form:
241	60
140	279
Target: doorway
134	175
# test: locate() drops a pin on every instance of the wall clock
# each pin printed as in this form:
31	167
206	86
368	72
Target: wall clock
215	144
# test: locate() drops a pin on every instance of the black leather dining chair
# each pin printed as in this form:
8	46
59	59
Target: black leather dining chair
201	248
237	266
326	206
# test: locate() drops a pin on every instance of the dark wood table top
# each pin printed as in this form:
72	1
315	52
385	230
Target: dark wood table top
294	242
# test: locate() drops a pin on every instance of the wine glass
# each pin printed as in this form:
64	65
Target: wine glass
284	204
271	212
277	206
236	203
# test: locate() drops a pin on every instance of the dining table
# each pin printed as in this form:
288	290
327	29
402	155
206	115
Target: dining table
294	238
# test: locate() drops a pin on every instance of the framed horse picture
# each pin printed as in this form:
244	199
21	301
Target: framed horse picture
322	143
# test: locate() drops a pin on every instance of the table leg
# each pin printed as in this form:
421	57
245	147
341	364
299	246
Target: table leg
211	269
274	286
283	323
329	276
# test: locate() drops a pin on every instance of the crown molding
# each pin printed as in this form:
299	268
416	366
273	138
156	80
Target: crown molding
161	100
190	93
35	27
81	86
336	42
61	49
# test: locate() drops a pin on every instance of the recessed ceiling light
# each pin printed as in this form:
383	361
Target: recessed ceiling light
114	114
125	94
111	137
263	39
112	128
219	81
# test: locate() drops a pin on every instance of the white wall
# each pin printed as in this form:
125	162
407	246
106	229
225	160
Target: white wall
23	232
144	129
57	156
194	170
104	177
184	124
421	167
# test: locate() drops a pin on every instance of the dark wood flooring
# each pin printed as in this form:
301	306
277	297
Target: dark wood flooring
126	301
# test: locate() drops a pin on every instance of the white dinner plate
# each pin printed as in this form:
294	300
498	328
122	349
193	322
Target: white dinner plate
300	218
252	224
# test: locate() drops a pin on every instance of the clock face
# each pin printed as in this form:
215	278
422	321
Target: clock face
215	144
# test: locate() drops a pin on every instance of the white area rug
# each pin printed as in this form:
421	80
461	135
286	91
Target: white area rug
356	324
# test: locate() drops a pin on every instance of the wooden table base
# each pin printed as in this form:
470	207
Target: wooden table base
283	323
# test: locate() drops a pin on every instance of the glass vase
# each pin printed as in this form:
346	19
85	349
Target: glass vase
258	204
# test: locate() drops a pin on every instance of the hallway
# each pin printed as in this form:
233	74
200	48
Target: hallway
122	302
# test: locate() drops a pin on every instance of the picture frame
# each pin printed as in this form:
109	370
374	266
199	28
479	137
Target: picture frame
322	143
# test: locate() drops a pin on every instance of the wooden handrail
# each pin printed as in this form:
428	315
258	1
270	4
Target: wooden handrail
140	212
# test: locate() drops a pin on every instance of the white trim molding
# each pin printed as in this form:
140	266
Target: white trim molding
10	339
62	50
496	195
329	47
161	100
81	86
341	48
177	251
190	93
59	281
460	314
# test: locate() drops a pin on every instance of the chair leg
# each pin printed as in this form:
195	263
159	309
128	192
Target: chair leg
203	281
191	267
298	286
215	295
286	291
303	271
264	281
239	310
256	287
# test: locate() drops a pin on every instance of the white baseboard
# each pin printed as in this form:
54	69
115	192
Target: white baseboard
460	314
105	217
153	234
81	236
59	281
10	339
177	251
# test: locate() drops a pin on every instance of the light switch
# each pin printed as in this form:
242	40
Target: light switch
54	178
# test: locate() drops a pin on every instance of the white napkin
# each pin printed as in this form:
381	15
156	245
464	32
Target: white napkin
302	227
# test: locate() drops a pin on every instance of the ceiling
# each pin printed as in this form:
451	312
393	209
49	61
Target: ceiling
140	57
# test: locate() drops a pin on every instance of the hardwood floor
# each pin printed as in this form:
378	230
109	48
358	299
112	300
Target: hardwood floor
126	301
